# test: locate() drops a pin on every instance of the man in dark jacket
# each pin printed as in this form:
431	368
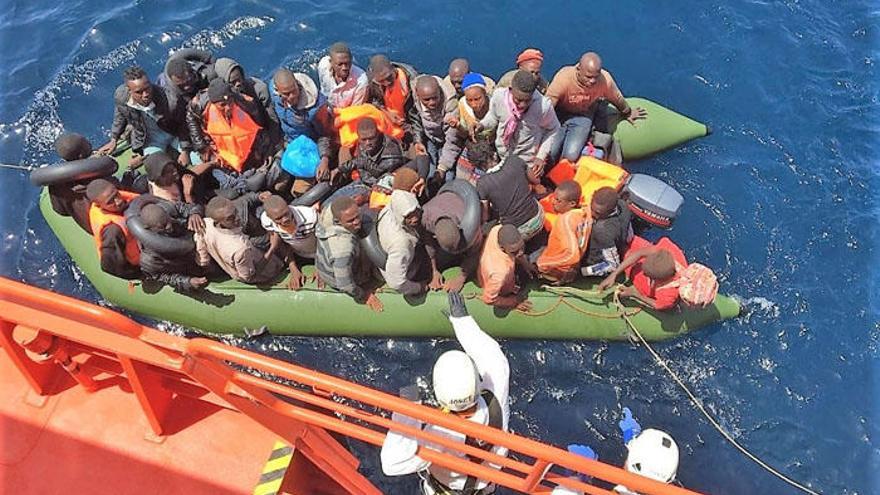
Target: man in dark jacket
143	106
170	219
187	72
610	235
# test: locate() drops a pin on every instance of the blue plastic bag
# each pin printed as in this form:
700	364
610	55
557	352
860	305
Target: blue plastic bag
301	158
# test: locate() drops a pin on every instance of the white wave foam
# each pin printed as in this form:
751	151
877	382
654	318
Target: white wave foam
41	123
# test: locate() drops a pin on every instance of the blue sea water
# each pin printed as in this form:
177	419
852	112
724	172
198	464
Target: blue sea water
781	200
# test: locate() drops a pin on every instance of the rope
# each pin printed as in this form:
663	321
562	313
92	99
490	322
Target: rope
699	405
16	167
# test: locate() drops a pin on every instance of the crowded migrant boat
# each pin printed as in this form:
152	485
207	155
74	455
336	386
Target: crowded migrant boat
382	178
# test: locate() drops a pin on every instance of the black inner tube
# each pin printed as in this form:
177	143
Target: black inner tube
76	170
472	218
370	241
164	245
315	194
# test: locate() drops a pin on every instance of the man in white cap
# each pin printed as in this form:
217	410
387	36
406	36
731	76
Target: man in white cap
473	384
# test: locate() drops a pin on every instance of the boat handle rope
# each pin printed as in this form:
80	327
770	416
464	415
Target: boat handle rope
16	167
699	405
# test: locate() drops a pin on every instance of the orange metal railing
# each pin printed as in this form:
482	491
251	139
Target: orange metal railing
43	332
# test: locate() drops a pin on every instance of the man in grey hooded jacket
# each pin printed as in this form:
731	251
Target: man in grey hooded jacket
399	238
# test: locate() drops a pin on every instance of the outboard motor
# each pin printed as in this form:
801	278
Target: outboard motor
652	200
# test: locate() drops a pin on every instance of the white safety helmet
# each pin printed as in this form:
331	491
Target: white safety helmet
455	381
653	454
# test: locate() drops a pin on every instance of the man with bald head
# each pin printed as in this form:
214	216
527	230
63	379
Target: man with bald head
302	111
459	68
576	91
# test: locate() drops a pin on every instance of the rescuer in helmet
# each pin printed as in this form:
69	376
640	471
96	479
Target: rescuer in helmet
472	384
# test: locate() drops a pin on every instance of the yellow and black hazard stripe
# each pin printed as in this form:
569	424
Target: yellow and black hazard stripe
274	470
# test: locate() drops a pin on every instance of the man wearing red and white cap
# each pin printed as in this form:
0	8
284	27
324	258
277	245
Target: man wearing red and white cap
531	60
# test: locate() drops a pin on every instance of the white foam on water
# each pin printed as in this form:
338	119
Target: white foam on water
41	123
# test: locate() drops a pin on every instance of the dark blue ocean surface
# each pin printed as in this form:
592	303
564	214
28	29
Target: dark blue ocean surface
781	200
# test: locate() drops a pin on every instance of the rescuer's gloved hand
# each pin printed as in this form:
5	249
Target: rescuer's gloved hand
457	309
629	426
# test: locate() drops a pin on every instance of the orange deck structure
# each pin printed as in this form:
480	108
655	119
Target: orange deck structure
93	402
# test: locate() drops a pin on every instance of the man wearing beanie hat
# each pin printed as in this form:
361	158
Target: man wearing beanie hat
530	60
232	134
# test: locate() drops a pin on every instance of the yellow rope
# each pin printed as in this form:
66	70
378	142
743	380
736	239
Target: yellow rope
699	405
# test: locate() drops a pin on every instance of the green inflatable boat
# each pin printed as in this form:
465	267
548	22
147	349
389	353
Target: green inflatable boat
575	313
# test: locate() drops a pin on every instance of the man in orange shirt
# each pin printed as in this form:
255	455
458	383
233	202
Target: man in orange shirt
497	275
575	92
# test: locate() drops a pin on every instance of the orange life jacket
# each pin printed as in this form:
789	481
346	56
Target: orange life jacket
233	139
396	95
346	120
566	245
591	173
100	219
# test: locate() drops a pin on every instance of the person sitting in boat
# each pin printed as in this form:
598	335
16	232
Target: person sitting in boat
560	260
291	234
390	90
339	260
502	252
506	194
577	92
232	72
118	250
526	123
472	107
183	272
343	83
143	107
303	112
406	262
530	60
458	69
376	156
654	271
187	71
69	199
234	250
473	384
610	235
229	131
434	104
446	243
166	180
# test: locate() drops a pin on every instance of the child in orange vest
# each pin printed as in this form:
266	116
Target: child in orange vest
559	262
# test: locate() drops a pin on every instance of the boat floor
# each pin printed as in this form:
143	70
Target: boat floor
100	443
